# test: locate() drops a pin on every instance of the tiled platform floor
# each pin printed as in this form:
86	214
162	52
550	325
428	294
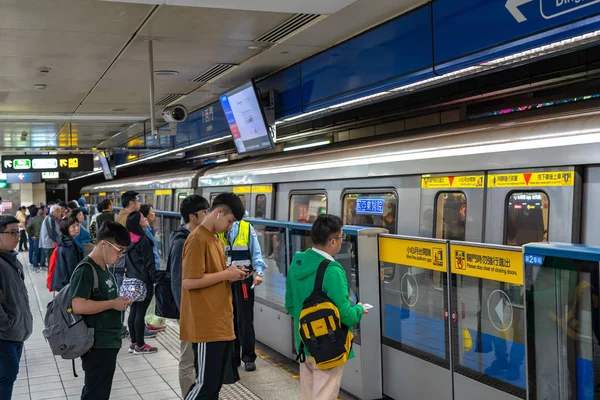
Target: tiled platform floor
148	377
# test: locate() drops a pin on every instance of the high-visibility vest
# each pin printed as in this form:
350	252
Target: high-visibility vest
238	251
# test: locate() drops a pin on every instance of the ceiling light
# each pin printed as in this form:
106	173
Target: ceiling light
254	47
39	87
118	109
166	72
86	175
307	145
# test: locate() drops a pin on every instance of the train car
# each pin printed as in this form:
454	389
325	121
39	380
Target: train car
506	183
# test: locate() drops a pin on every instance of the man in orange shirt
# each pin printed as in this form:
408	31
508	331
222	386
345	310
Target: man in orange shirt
206	313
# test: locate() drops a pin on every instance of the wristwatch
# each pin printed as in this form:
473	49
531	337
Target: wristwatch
259	273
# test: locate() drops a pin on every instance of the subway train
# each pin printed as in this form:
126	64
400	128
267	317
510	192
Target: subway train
508	182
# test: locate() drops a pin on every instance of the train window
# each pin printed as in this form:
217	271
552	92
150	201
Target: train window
372	209
167	203
213	196
527	218
159	202
182	197
260	206
148	199
307	207
451	216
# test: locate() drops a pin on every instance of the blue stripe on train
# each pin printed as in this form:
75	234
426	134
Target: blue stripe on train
428	334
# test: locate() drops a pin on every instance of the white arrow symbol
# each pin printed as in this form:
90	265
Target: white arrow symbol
500	310
513	7
21	176
409	288
7	163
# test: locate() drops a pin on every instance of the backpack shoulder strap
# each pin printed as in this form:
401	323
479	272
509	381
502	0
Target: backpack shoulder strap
321	275
95	274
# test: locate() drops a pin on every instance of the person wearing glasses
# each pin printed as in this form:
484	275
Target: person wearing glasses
193	209
102	309
327	238
16	320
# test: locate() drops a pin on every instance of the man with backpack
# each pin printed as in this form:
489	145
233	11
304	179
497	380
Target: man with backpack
102	308
16	320
317	284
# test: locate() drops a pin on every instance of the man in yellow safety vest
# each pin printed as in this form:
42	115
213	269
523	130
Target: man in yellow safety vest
243	250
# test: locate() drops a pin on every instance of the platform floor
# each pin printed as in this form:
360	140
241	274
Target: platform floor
148	377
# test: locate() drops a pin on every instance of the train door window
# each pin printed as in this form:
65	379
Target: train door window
307	207
371	209
180	198
148	199
260	206
243	199
159	202
213	196
167	203
450	223
526	218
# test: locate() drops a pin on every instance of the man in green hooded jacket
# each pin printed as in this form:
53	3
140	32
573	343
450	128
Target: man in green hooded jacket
327	238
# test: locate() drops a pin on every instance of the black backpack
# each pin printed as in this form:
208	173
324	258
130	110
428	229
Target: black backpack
321	330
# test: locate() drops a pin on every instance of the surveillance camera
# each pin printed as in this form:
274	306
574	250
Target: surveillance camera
174	114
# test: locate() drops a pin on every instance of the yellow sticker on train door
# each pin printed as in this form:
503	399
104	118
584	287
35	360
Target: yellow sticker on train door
487	263
532	179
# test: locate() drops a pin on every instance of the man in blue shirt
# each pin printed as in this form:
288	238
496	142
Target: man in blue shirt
243	250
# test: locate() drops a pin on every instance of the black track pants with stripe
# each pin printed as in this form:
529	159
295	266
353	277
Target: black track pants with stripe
210	361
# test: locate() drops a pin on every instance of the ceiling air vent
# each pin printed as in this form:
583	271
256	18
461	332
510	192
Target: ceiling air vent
168	99
212	73
287	28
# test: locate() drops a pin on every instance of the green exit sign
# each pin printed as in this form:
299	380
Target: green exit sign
22	164
3	185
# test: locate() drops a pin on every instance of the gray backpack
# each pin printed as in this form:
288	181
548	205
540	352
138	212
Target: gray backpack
66	332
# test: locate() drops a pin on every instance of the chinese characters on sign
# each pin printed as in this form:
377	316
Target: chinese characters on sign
532	179
413	253
452	182
486	263
369	206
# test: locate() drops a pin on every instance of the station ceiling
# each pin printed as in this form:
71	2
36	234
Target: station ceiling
91	58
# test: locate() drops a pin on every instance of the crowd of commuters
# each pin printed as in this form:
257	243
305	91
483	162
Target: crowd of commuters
214	263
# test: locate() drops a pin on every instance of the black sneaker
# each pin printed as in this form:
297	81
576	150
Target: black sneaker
250	366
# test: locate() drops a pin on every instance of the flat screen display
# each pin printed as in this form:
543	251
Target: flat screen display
246	119
105	167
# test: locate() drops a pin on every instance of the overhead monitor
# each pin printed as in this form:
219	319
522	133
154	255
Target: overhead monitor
105	167
246	119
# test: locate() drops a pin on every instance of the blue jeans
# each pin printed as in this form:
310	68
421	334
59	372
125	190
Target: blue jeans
10	356
34	249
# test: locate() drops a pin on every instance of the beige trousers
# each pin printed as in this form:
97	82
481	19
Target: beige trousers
317	384
187	370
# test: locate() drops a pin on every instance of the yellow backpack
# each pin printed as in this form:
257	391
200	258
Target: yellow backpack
321	330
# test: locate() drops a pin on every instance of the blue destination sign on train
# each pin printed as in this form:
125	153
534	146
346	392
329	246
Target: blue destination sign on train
369	206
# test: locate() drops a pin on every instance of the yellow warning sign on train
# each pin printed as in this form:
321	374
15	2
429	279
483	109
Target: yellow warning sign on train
452	182
532	179
413	253
242	189
486	263
262	189
163	192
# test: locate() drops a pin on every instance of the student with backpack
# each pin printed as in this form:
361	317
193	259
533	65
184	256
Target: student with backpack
101	308
317	297
16	320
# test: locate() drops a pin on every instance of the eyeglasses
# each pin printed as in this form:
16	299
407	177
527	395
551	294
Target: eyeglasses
14	233
201	212
120	251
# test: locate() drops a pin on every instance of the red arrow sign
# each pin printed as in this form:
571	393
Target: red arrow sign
451	179
527	178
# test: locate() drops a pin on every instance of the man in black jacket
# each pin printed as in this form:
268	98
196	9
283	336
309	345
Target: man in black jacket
16	321
193	209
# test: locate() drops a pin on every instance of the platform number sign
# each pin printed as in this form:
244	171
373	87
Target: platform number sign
534	259
369	206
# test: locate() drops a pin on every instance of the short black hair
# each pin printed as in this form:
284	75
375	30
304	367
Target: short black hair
145	209
104	204
63	205
191	205
73	205
113	232
128	196
324	227
230	203
6	220
133	224
74	213
99	206
66	223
